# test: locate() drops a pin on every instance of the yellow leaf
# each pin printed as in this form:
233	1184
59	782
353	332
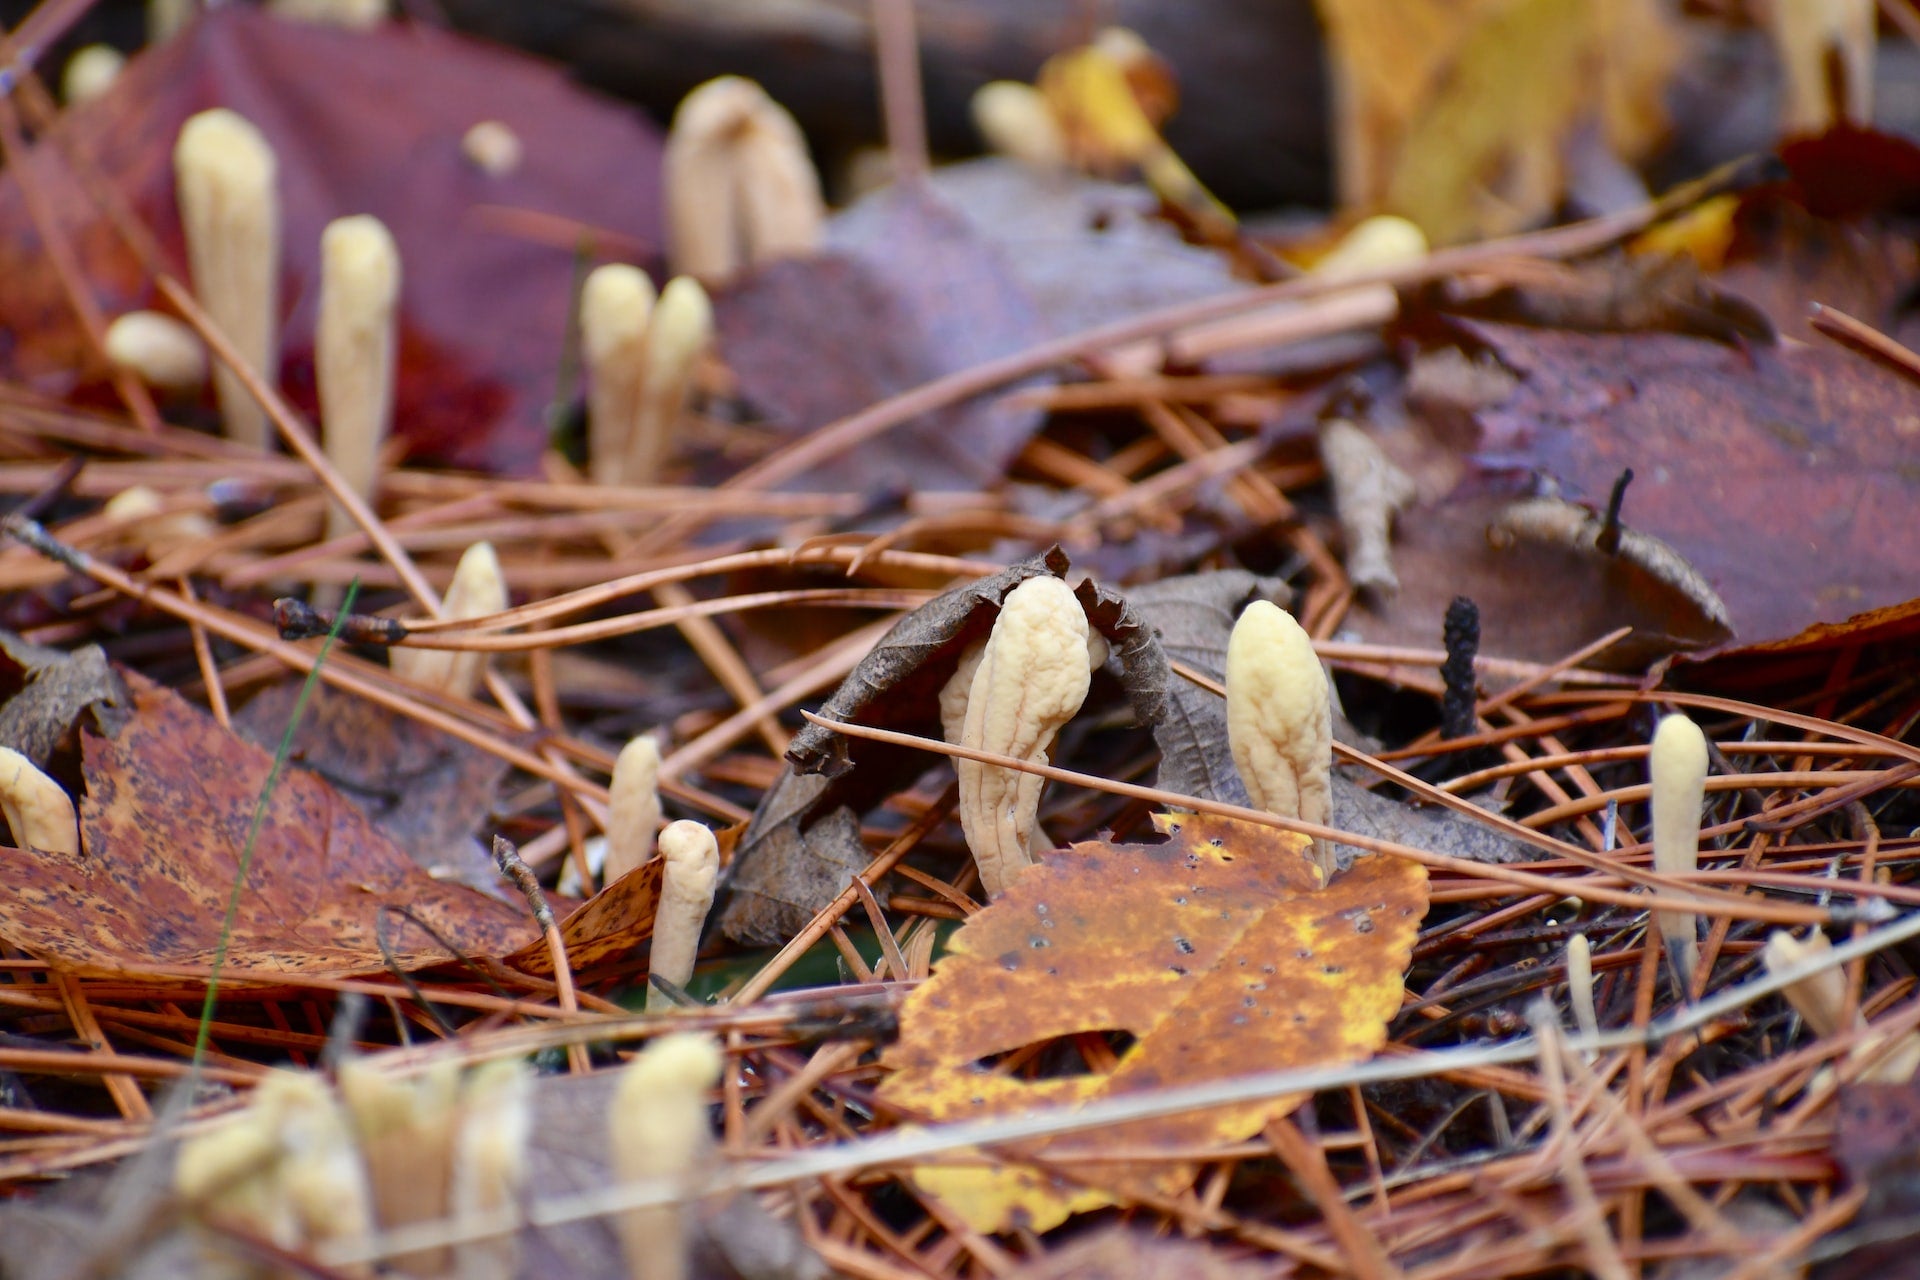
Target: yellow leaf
1455	113
1219	951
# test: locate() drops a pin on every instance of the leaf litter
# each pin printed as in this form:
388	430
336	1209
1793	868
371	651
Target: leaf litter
1706	1128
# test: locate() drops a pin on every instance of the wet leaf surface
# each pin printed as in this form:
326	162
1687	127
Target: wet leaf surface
165	819
1219	950
363	122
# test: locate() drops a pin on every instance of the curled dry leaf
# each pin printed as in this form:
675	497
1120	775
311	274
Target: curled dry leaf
803	841
164	827
1221	950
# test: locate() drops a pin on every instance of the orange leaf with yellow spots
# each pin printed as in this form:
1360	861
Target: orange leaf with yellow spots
1219	951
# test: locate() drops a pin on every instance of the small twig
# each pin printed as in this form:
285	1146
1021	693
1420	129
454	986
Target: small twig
508	859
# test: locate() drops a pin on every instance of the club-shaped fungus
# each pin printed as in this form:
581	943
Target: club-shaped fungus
1280	718
1033	676
659	1129
354	350
478	589
225	176
633	807
38	810
159	350
616	303
678	336
740	186
692	857
1677	767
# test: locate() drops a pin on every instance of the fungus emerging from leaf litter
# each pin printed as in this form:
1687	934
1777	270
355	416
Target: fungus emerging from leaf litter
1280	718
659	1129
1031	680
38	810
354	351
1677	766
741	188
225	174
692	856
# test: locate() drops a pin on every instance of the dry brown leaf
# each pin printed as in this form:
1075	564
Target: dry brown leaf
1781	475
1220	950
603	929
430	792
169	803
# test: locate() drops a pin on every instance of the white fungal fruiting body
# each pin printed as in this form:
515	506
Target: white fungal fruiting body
1820	999
478	589
1677	767
285	1168
406	1129
147	525
633	807
616	303
492	147
159	350
38	810
490	1163
659	1130
225	174
1580	984
1014	120
741	188
1032	678
90	72
354	350
692	859
678	335
1280	717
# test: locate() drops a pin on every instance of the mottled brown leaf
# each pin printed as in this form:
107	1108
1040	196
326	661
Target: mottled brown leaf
363	122
430	792
165	819
603	929
1220	950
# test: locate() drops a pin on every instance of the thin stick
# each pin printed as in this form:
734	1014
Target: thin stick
898	56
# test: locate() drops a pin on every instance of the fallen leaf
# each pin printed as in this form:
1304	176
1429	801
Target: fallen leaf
1219	950
430	792
1778	474
603	929
53	690
1458	113
169	802
362	122
1878	1128
916	296
1087	252
1194	616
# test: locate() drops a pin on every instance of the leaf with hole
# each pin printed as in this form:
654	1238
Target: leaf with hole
1219	952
